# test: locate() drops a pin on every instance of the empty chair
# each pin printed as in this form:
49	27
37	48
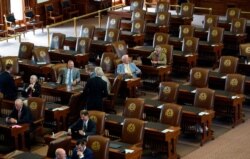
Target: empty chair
52	13
107	62
187	10
204	98
199	77
14	26
83	45
69	10
232	13
57	40
228	64
171	114
41	55
136	14
120	48
25	50
99	118
32	20
99	145
235	83
168	92
133	108
63	142
87	31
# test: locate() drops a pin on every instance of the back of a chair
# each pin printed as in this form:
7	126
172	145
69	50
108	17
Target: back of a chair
138	14
99	145
138	26
37	107
215	35
83	44
113	22
210	21
228	64
57	68
63	142
107	62
57	41
199	77
48	8
132	131
171	114
10	60
204	98
168	50
41	54
112	35
116	85
168	92
162	18
190	45
245	50
160	38
238	25
133	108
87	31
136	4
10	18
120	48
74	107
25	50
232	13
187	10
186	30
99	118
235	83
162	6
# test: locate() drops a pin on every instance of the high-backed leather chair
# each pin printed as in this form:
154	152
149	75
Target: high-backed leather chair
74	108
63	142
68	9
228	64
136	4
87	31
190	45
32	20
162	6
238	26
187	10
160	38
107	62
56	71
245	50
25	50
210	21
120	48
235	83
99	145
41	54
136	14
57	40
204	98
10	60
168	92
232	13
52	14
161	23
168	50
133	131
199	77
83	45
171	114
215	35
133	108
99	118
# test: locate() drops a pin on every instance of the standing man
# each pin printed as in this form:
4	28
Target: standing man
69	75
81	151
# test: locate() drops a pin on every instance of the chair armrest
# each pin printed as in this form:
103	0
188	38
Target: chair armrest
38	121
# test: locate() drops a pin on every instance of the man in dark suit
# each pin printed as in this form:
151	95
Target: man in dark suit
7	83
69	75
82	151
94	91
33	89
83	127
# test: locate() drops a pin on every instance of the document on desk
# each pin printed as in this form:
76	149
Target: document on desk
16	126
160	106
129	151
193	91
203	113
223	77
60	108
234	97
167	130
161	67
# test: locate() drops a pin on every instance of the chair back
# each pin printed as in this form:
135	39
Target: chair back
10	60
245	50
83	45
186	30
162	6
204	98
62	142
99	118
215	35
238	26
138	14
25	50
162	19
136	4
41	54
107	62
168	50
190	45
57	68
235	83
138	26
160	38
99	145
113	22
168	92
232	13
112	35
187	10
120	48
199	77
87	31
133	108
228	64
74	108
57	41
29	13
37	107
210	21
116	85
10	18
171	114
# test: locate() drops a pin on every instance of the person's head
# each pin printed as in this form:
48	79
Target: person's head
60	153
80	145
9	67
99	72
70	64
18	104
157	49
125	59
33	79
84	114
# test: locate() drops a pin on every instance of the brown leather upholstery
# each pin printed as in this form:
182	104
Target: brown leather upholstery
160	38
136	4
99	145
83	44
245	49
168	92
215	35
87	31
113	22
57	40
168	50
238	25
204	98
133	131
232	13
56	71
186	30
138	14
190	45
112	35
210	21
137	26
120	48
199	77
107	62
41	54
162	6
133	108
171	114
228	64
63	142
10	60
99	118
235	83
162	18
25	50
74	108
187	10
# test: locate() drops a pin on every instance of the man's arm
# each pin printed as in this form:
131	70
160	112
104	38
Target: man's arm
135	69
60	76
119	69
92	129
163	60
26	117
78	77
37	91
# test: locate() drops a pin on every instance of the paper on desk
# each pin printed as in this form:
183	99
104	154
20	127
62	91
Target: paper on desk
129	151
224	77
248	63
20	61
234	97
60	108
122	123
161	67
188	55
127	80
40	63
167	130
16	126
160	106
193	91
203	113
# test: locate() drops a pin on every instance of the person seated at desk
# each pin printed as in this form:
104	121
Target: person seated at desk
83	127
33	89
60	154
7	83
158	57
69	75
81	151
20	114
129	69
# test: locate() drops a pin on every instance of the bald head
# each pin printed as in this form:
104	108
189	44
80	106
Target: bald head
18	104
125	59
60	153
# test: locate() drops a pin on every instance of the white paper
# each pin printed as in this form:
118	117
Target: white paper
203	113
41	63
127	80
224	77
167	130
234	97
122	123
160	106
129	151
161	67
193	91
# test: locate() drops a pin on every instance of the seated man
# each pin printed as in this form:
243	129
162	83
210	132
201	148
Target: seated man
7	83
81	151
60	154
69	75
33	89
128	69
158	57
83	127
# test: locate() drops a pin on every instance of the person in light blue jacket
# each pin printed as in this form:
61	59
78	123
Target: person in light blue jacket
127	68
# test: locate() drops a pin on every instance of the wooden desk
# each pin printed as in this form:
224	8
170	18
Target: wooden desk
132	39
176	21
140	51
243	68
17	154
176	42
232	41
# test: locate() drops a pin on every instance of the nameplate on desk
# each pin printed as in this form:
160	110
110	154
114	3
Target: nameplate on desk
16	126
160	106
41	63
167	130
203	113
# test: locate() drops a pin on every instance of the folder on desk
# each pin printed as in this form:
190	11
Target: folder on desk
115	146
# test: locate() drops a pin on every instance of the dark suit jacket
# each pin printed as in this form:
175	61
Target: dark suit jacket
7	86
35	93
78	125
94	91
26	116
88	154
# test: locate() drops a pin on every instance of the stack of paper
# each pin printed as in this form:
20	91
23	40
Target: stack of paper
203	113
129	151
167	130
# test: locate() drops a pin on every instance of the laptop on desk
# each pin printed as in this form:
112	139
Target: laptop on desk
146	61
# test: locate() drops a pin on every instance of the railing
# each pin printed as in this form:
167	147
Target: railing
11	36
80	17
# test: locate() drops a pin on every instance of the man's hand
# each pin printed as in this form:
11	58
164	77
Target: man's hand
12	120
81	132
74	82
154	62
80	154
